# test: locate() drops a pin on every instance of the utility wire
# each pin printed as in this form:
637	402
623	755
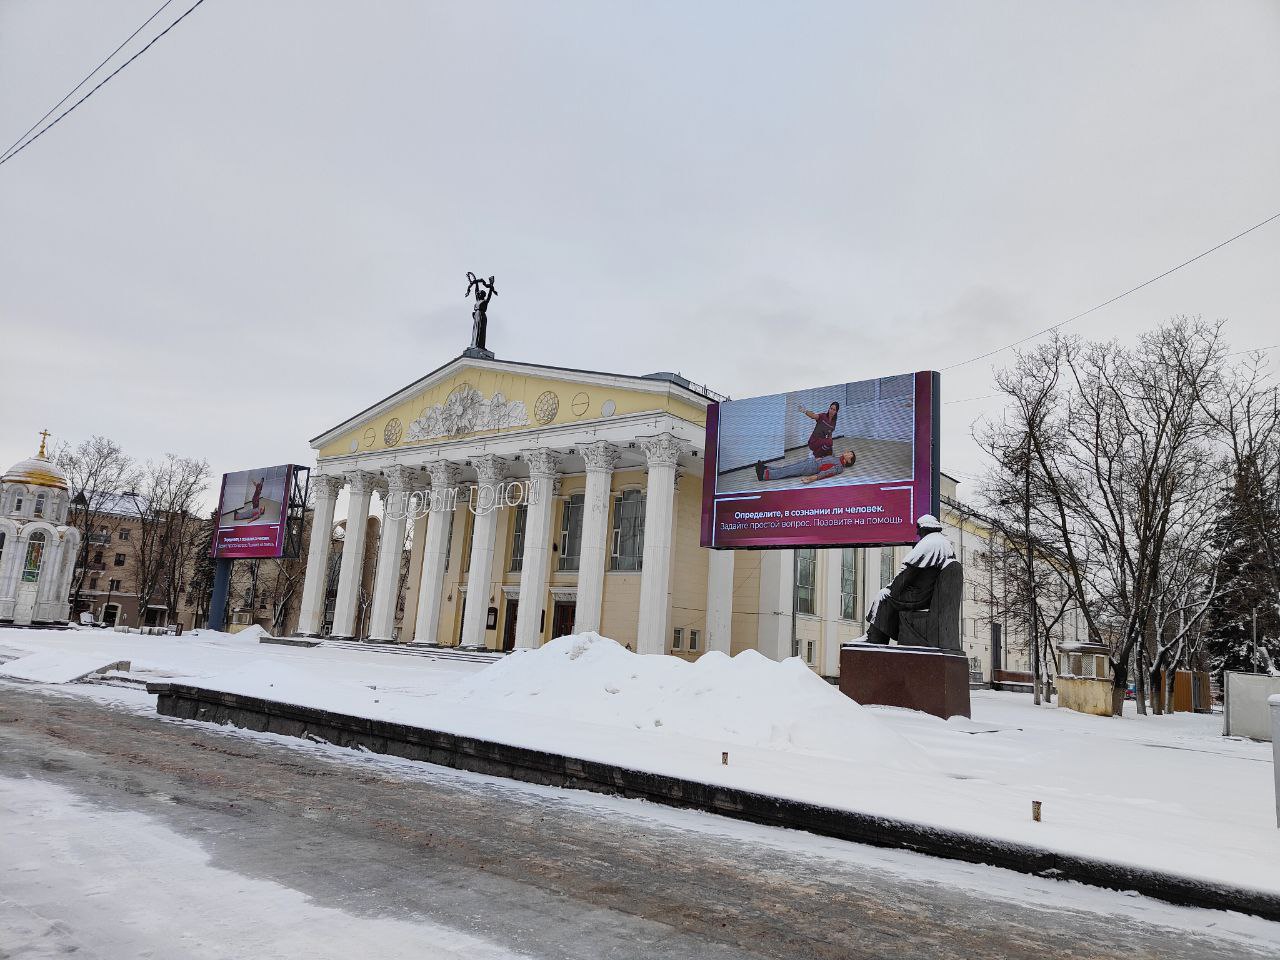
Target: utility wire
86	78
1119	296
100	85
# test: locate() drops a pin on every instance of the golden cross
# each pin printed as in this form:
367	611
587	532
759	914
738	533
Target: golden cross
44	435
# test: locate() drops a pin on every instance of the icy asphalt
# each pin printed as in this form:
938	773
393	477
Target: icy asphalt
526	870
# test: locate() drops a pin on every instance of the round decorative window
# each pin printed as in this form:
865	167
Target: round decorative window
580	404
366	441
546	407
608	408
393	431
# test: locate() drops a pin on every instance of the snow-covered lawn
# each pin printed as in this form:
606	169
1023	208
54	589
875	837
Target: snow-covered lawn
1166	792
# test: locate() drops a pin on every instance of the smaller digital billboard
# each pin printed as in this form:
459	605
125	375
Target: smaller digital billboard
253	512
852	464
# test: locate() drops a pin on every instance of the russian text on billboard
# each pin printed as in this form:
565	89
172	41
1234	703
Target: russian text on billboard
852	464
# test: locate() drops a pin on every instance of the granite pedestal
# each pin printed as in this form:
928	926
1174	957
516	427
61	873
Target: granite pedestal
918	678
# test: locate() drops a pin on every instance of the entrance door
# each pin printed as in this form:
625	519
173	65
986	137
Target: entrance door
509	625
562	618
24	610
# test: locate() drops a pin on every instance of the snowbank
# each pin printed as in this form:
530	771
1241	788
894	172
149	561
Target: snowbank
748	699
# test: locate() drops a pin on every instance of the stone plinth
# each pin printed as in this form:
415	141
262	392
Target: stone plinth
918	678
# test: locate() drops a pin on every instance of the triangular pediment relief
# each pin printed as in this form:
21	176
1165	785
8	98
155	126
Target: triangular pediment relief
470	397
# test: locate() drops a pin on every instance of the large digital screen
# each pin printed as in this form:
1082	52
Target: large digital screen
853	464
253	512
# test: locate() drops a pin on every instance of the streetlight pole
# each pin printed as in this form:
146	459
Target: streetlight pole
1032	610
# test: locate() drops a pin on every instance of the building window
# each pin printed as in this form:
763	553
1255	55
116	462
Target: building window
848	584
806	561
113	585
695	638
123	533
808	652
628	531
886	566
1	545
517	537
677	638
93	583
17	505
40	504
571	532
97	556
448	540
35	556
119	561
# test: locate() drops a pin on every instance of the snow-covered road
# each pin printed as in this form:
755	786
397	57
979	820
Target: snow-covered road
127	835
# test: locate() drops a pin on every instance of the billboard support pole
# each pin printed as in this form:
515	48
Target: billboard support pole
221	587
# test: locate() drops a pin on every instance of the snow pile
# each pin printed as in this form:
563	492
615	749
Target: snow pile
748	699
59	666
255	632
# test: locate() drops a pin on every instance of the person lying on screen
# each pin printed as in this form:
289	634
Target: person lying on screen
809	471
824	426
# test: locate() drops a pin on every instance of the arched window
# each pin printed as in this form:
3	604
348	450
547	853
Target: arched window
40	499
35	556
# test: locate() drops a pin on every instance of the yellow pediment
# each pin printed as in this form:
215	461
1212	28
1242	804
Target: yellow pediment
488	398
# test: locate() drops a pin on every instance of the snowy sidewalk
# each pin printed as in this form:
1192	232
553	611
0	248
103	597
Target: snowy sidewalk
1165	793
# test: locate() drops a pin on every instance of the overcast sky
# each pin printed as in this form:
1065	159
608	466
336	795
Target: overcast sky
264	224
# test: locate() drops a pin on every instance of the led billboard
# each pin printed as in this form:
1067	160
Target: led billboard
253	513
853	464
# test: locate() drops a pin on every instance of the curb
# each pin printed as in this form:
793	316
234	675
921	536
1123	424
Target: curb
551	769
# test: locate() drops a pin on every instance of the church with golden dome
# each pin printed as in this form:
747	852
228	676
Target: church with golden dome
37	549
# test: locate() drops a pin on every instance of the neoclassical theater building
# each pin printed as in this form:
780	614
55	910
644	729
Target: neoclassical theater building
539	501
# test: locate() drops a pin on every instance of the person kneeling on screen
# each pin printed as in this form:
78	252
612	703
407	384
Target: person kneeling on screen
807	470
912	588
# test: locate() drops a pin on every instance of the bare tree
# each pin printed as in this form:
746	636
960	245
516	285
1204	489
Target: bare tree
170	531
97	470
1121	467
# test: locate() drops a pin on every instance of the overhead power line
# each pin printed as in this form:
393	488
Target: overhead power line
86	78
107	79
1118	296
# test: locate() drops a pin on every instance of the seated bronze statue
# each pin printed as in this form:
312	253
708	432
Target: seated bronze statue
913	589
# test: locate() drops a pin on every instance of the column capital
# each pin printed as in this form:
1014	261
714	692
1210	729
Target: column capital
600	456
662	451
444	474
326	486
400	478
360	481
490	469
543	462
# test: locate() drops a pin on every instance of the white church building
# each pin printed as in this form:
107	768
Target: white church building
37	549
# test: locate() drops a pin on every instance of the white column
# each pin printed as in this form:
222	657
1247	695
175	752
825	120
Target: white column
359	490
829	664
444	490
663	453
311	614
489	470
386	586
418	506
601	458
719	600
536	566
777	594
